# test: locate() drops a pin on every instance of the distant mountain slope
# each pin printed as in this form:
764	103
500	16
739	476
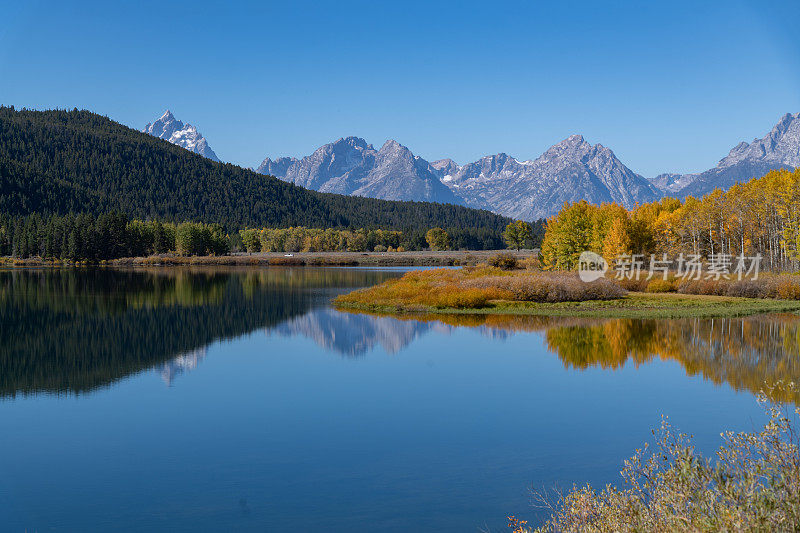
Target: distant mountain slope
780	148
670	182
77	161
170	129
352	166
569	171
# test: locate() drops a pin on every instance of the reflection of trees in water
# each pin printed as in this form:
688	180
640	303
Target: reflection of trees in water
747	353
750	353
75	330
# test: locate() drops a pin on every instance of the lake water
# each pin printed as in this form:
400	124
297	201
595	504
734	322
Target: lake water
238	400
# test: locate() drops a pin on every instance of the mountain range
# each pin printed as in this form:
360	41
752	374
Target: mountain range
568	171
352	166
66	162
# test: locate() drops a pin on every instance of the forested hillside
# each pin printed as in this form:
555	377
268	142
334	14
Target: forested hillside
60	162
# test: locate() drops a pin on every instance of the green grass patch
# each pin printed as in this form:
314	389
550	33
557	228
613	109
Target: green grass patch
634	305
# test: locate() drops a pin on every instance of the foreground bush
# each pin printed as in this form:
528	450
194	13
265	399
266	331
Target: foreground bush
633	284
780	286
660	285
504	261
752	485
549	287
776	286
438	288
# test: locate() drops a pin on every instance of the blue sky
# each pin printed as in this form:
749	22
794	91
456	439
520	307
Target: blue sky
668	86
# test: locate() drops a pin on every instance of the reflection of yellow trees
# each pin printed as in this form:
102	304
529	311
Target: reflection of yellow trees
746	353
605	344
752	354
183	288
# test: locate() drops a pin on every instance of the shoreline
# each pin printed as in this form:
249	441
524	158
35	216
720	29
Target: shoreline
263	259
634	305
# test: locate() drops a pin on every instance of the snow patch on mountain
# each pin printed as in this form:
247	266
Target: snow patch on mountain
170	129
569	171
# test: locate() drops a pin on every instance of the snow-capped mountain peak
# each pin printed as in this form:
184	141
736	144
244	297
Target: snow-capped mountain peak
170	129
446	169
570	170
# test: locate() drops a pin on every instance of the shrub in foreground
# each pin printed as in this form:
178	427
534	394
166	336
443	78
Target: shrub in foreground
752	485
530	263
787	289
780	286
748	288
633	284
660	285
504	261
767	285
438	288
547	287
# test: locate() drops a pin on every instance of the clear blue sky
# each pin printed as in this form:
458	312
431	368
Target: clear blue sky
669	86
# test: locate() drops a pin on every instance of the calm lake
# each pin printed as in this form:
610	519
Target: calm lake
238	400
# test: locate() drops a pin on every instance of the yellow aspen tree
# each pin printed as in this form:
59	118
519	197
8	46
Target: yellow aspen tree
617	242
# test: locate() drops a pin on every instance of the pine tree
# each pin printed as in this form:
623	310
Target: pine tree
73	252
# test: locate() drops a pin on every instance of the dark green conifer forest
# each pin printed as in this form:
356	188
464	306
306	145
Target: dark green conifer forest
72	181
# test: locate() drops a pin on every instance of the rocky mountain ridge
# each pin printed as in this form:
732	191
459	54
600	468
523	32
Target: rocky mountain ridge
170	129
568	171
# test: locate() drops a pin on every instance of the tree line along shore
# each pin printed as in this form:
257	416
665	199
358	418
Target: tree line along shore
112	236
759	217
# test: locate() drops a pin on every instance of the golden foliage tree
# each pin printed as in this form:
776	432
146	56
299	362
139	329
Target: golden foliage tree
761	216
617	241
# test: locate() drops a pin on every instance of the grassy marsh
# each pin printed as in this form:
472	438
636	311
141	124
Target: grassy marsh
486	290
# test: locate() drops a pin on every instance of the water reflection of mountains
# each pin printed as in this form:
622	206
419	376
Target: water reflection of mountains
746	353
73	331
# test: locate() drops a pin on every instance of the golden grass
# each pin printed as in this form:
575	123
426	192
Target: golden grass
660	285
474	288
489	290
439	288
